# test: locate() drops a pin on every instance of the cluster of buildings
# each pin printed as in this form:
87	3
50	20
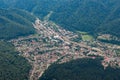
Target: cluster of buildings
53	44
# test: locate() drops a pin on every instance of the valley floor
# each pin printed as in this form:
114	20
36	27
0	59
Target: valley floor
54	44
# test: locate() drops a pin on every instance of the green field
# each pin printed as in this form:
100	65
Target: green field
85	36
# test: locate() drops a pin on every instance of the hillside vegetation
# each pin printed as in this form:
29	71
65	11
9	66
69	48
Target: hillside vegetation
15	23
12	66
91	16
81	69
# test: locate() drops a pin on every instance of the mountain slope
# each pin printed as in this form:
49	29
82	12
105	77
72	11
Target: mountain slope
12	66
15	23
82	15
81	69
87	15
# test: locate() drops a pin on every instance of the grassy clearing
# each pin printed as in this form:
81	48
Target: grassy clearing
85	36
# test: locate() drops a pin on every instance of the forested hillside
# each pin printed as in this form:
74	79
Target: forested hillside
81	69
12	66
91	16
15	23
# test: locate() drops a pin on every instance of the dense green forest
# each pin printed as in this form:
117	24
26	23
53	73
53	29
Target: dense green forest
81	69
15	23
12	66
91	16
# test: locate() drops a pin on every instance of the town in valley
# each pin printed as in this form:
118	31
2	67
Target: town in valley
52	43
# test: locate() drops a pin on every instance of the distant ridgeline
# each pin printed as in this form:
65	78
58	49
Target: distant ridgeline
15	23
12	66
81	69
92	16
